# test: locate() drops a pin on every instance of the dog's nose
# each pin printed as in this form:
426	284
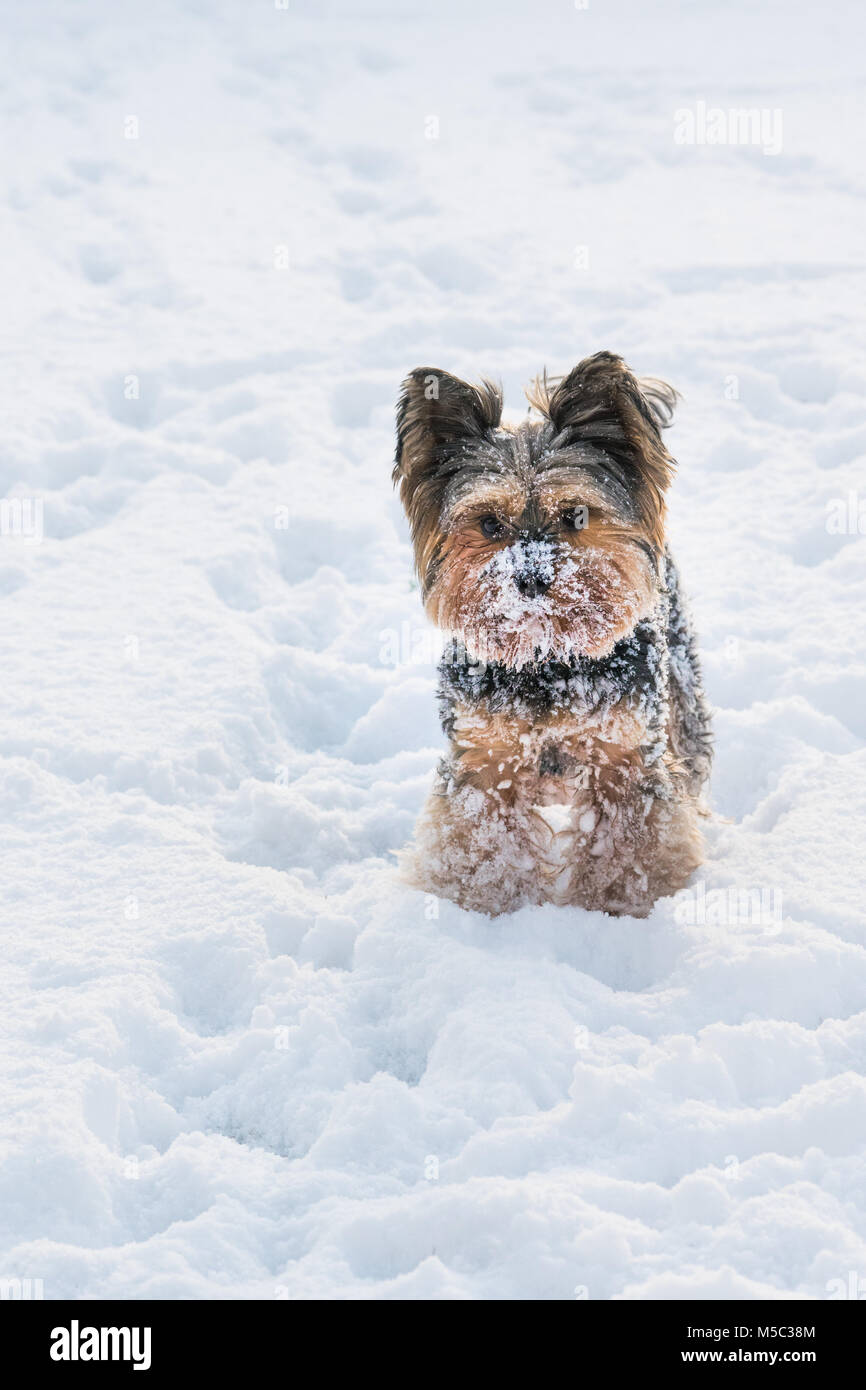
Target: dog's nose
531	585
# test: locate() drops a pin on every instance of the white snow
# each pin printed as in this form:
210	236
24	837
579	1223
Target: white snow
238	1059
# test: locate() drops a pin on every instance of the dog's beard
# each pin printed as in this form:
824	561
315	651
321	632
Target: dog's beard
592	599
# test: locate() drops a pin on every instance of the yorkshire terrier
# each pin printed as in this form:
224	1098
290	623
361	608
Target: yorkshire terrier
569	687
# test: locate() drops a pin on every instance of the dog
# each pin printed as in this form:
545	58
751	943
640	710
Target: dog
569	687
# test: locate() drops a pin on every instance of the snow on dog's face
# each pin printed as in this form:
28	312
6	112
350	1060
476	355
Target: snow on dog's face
540	541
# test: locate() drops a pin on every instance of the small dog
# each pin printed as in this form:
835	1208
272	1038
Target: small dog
569	688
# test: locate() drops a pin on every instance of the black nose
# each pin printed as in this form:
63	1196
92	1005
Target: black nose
531	585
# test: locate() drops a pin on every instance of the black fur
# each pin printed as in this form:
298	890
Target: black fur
655	669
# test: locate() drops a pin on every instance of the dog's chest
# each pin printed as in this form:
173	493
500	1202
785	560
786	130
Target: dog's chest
582	763
574	783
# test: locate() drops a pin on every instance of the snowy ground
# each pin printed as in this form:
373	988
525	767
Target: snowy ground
239	1060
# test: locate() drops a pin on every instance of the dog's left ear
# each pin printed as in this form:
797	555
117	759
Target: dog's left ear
601	383
602	402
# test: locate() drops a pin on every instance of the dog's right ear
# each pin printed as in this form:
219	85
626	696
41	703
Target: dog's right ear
601	402
436	412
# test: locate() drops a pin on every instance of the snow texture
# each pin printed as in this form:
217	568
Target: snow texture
239	1059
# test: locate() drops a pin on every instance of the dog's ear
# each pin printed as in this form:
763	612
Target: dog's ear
601	402
436	412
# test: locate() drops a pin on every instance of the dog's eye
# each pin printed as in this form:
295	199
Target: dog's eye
492	527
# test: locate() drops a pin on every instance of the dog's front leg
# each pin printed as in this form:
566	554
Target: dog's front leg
471	843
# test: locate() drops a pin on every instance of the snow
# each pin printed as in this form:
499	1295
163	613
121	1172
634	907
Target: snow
240	1060
526	629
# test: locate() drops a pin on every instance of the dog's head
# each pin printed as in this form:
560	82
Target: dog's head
542	540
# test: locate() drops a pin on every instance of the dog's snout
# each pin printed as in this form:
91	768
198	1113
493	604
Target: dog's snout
531	585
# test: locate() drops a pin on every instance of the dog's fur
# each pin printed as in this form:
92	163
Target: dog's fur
570	691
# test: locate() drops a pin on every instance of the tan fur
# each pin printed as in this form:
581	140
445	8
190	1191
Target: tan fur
605	844
618	592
